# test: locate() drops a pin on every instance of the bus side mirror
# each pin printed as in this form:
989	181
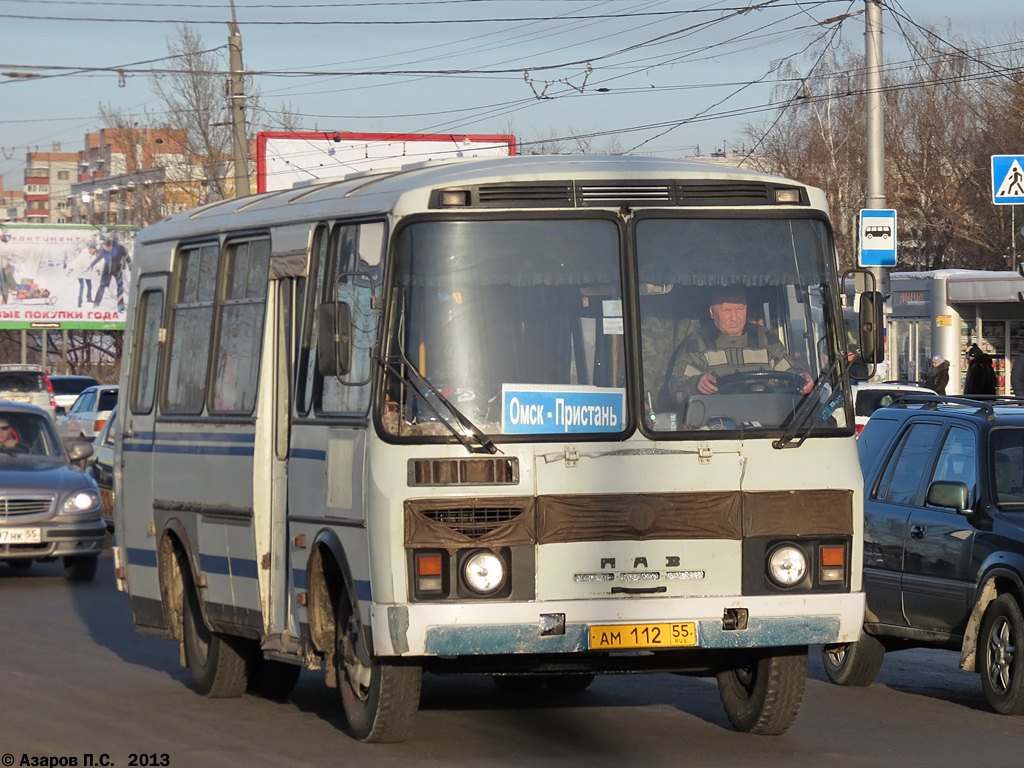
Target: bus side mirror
872	347
334	338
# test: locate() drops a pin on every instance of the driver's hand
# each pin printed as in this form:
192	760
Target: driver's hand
808	386
706	384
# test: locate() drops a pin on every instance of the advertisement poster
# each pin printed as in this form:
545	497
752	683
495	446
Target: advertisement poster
57	276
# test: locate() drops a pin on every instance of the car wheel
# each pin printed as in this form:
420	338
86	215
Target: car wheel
20	565
217	662
764	694
854	663
1002	679
380	698
80	568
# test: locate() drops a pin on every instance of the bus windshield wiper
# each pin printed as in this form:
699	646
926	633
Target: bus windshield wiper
808	407
468	430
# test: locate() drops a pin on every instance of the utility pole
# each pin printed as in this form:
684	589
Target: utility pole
875	154
239	140
875	198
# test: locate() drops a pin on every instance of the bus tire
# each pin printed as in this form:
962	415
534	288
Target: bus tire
763	696
853	664
1001	652
380	698
216	663
80	568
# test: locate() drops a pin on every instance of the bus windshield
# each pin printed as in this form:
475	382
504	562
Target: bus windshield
520	325
737	323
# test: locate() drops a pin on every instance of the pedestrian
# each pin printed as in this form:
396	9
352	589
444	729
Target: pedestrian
858	368
82	268
981	375
938	376
1017	376
115	259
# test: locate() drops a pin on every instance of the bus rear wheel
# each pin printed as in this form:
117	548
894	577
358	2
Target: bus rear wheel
854	663
217	664
380	698
763	694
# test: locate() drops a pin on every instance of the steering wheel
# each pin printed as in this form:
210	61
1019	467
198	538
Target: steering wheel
755	382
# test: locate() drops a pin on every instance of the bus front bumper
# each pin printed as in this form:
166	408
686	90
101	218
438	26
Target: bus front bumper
455	629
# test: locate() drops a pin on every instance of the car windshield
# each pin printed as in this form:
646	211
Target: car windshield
1008	466
28	434
71	385
522	327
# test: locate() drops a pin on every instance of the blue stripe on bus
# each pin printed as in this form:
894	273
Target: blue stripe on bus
308	453
214	437
143	557
300	582
205	450
225	566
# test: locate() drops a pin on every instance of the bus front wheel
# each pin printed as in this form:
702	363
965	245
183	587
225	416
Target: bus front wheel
380	698
764	693
217	664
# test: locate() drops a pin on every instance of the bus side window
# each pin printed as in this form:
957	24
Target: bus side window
355	248
240	326
147	337
191	329
306	363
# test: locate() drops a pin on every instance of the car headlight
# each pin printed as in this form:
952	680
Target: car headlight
787	565
484	572
81	501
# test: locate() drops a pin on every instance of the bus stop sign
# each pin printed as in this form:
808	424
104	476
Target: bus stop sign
1007	179
877	238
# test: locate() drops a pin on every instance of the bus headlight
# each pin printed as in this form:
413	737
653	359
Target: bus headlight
483	572
787	565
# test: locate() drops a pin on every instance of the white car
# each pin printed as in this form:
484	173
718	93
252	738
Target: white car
86	417
870	396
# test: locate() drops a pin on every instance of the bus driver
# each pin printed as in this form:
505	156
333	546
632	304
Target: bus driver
732	346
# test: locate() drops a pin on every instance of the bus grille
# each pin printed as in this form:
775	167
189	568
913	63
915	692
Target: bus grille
583	194
473	523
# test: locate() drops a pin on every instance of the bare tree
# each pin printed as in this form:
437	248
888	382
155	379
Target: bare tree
944	117
195	98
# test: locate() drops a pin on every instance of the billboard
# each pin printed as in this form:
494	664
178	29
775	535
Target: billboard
50	279
284	158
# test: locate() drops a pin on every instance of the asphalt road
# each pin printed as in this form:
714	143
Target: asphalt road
78	683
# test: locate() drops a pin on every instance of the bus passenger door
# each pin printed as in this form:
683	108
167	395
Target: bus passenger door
133	453
273	408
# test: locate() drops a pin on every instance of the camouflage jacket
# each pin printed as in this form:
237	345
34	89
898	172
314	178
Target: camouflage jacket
709	351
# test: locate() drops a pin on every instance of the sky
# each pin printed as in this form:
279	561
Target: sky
672	78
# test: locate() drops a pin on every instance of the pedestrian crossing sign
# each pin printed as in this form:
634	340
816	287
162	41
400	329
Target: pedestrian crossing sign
1007	179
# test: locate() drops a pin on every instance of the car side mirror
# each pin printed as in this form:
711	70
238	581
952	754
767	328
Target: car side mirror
949	494
60	410
79	451
334	338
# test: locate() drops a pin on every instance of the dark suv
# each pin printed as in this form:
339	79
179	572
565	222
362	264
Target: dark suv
943	540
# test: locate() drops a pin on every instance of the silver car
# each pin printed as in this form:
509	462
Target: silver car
48	508
20	383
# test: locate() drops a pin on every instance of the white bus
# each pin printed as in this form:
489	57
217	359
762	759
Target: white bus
430	419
